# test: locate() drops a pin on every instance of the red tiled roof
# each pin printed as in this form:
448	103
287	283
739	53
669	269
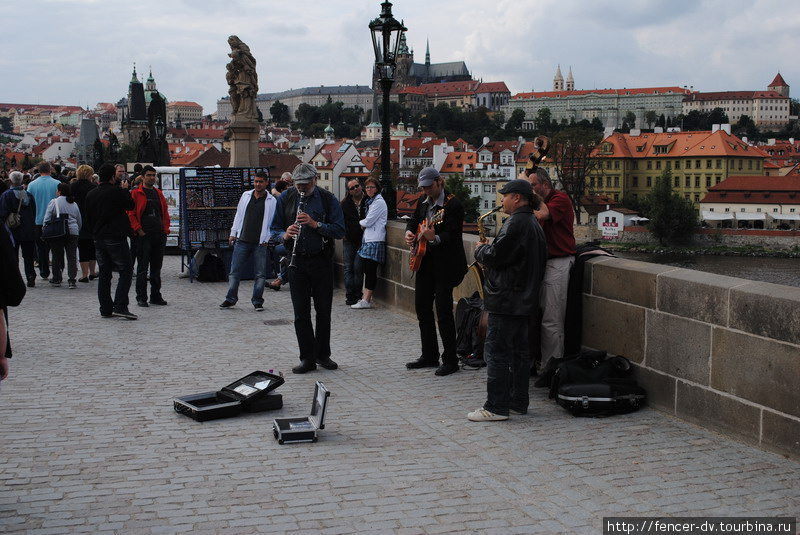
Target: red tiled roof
492	87
778	81
677	145
755	190
732	95
185	103
455	161
619	92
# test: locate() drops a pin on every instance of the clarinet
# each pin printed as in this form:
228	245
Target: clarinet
300	209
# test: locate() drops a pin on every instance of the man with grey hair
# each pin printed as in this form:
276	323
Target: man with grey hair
555	215
308	234
18	201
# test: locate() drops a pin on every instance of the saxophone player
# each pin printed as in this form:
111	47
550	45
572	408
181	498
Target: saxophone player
514	265
311	276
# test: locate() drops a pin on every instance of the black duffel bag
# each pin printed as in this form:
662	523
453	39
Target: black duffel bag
588	367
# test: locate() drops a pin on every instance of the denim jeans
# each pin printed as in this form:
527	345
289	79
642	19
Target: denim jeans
149	254
241	254
113	254
353	270
507	364
312	279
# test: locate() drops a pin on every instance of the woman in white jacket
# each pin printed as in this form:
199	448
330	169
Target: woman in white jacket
65	204
373	245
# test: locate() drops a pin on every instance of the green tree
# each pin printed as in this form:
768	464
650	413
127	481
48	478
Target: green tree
650	117
630	119
571	151
746	127
543	119
794	106
455	185
717	116
280	113
515	121
5	125
672	218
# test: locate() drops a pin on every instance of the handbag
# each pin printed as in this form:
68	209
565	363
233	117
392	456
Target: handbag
14	219
56	228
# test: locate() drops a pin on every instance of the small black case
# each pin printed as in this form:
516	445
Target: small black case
602	399
288	430
251	393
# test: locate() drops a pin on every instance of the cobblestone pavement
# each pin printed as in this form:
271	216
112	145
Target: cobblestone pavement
91	444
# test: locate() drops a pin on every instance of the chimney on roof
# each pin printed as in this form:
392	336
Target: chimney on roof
725	128
714	128
485	140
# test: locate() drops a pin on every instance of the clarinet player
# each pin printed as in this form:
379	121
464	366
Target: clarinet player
309	234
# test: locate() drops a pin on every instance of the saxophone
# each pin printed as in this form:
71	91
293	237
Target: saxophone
475	267
481	226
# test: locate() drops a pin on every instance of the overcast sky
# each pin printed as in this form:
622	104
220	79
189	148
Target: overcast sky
80	52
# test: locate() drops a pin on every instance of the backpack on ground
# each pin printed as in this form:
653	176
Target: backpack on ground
469	342
212	269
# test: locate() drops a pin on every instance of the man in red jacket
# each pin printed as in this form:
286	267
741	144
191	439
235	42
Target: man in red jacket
150	224
555	215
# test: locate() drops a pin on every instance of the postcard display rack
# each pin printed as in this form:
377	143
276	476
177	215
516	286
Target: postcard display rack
209	197
251	393
304	429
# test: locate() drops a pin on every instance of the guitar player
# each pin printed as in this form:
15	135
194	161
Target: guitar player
442	269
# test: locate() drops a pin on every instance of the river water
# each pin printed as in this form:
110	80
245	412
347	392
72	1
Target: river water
775	270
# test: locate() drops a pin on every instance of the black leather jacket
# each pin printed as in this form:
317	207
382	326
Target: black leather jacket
514	266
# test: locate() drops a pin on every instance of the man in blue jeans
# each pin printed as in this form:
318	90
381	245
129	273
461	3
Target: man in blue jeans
107	208
249	236
514	264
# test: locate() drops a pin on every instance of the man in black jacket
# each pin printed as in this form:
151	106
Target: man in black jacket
106	214
353	210
443	268
514	265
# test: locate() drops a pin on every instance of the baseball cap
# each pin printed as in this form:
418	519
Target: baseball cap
427	176
517	186
304	173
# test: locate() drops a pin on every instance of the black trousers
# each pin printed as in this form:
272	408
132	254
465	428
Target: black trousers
149	254
429	292
312	279
42	253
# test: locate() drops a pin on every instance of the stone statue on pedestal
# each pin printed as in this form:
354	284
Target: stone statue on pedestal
242	80
243	89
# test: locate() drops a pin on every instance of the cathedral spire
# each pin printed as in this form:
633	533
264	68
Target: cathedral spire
427	52
134	79
558	80
570	80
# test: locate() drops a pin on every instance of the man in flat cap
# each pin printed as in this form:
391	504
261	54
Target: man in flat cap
514	265
443	268
308	232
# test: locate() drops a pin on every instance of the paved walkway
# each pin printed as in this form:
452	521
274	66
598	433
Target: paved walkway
90	442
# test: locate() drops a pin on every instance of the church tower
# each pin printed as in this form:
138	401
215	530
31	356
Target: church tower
558	80
405	59
570	81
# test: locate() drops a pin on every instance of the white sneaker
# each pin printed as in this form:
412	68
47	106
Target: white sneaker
362	304
482	415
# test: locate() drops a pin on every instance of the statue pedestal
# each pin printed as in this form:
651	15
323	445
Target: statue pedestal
244	143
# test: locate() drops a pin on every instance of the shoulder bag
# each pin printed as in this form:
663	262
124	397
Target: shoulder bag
56	228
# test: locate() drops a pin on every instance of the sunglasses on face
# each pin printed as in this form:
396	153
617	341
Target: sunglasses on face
353	188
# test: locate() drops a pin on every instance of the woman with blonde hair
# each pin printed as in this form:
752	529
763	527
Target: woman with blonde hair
83	185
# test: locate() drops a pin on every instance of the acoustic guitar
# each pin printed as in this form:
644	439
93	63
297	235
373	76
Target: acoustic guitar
420	246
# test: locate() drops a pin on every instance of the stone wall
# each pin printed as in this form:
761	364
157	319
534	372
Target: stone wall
717	351
781	240
721	352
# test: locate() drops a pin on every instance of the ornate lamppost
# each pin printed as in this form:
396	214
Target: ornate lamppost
386	31
160	130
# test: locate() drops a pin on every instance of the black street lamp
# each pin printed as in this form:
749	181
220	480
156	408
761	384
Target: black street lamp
160	130
386	31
